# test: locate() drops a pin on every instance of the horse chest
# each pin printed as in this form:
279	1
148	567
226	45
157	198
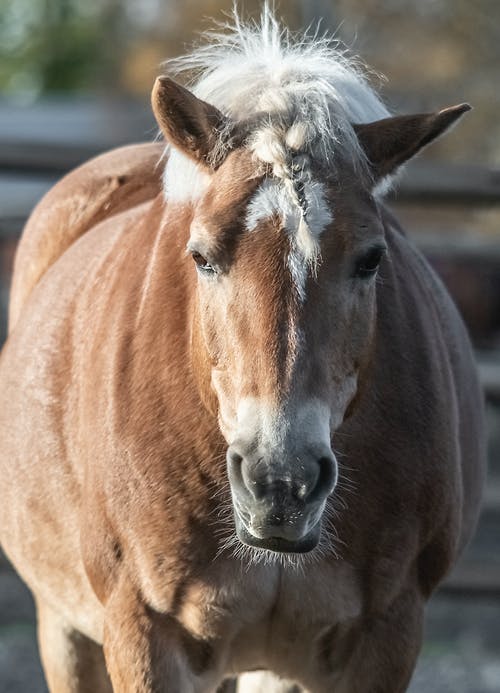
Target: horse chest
268	617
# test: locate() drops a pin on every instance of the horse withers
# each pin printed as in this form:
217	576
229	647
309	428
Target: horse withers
241	428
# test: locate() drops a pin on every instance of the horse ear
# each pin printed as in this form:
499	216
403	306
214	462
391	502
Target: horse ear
390	142
188	123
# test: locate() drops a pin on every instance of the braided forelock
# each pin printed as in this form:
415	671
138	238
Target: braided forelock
284	149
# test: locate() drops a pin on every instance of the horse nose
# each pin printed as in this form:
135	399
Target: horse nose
326	479
308	477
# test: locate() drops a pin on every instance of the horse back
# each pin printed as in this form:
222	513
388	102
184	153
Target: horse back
95	191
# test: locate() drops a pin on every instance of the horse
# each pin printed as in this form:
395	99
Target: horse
241	426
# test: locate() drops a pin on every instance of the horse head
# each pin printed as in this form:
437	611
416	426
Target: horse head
286	238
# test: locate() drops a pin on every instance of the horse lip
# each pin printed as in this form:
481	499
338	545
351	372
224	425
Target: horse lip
278	544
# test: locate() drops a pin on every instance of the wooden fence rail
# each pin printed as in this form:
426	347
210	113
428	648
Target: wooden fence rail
426	182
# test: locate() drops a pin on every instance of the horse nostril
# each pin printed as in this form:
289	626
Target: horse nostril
326	481
234	457
234	464
242	473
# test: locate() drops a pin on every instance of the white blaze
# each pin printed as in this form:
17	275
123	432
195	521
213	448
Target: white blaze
275	198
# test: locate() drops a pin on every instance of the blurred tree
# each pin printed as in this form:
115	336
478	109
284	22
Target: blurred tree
59	45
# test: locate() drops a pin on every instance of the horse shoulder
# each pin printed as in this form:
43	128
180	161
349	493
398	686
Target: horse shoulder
98	189
426	345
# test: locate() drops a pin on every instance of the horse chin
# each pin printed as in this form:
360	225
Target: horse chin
278	544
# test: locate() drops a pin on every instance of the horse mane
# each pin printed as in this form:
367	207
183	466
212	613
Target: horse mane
304	91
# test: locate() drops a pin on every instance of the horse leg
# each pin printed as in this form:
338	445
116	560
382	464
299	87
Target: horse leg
381	655
72	662
150	652
265	682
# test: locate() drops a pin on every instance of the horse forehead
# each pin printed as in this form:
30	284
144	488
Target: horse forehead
223	198
245	196
274	197
234	181
303	211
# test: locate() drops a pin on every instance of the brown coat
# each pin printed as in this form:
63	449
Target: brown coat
112	471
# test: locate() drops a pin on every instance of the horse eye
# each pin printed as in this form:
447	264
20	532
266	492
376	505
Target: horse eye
367	265
201	263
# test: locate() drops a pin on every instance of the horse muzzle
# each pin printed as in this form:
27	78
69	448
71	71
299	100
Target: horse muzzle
278	505
302	543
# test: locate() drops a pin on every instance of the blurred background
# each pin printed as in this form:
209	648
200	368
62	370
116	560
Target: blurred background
75	77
